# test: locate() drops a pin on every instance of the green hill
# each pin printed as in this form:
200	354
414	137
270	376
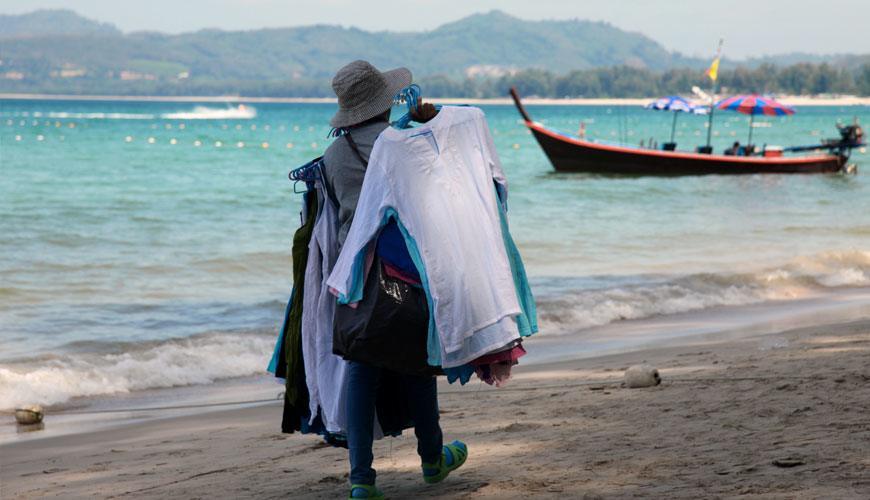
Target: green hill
52	22
98	58
57	51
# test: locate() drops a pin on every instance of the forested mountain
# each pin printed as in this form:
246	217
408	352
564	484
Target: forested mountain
61	52
52	22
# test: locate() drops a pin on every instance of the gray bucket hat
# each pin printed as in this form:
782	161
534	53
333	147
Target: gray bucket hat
364	92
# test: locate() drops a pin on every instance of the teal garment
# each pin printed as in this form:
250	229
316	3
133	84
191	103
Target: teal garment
528	320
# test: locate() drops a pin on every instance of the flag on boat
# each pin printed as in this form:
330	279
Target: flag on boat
713	70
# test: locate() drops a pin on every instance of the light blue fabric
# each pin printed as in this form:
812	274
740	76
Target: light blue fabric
279	344
527	322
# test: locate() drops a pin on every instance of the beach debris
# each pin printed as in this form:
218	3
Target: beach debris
29	415
643	375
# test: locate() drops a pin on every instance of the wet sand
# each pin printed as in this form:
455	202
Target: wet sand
781	415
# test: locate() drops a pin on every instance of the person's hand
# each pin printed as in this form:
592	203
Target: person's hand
423	112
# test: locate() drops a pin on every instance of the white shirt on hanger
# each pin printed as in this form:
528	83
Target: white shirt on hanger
437	180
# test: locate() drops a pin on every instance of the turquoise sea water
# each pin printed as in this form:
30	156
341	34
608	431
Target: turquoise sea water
141	248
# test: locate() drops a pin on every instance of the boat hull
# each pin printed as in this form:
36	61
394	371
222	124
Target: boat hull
576	155
572	154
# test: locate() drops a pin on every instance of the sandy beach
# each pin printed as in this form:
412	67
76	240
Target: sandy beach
800	100
781	415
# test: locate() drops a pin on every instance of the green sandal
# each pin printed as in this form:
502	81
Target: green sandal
368	491
452	457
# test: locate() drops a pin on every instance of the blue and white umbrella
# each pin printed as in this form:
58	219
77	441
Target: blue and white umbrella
676	104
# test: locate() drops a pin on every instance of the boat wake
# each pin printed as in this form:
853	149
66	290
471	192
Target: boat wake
240	112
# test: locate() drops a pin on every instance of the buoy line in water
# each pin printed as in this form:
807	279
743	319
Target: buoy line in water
151	140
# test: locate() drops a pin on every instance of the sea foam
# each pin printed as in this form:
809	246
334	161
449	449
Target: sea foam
563	310
195	360
564	307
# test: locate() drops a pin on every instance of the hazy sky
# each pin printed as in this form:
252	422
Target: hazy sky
750	27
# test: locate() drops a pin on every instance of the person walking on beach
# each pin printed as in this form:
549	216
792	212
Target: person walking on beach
365	98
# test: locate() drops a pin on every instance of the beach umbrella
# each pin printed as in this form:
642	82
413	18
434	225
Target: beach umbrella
754	105
676	104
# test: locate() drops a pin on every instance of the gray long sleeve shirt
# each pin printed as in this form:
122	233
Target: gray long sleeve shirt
344	172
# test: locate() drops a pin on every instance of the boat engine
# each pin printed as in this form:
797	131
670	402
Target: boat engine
851	136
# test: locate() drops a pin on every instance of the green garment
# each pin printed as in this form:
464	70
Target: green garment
296	392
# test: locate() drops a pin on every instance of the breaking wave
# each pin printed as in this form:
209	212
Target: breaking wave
128	367
564	308
565	305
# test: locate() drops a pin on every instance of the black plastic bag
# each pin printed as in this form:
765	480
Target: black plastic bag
388	328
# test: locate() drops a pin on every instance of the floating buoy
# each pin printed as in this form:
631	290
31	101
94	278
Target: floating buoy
296	128
516	146
254	127
57	124
197	143
129	138
29	415
40	137
218	144
71	125
151	140
240	144
643	375
173	141
181	126
238	127
289	145
265	145
17	137
168	126
313	145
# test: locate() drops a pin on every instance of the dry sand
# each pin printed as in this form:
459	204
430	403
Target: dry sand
784	415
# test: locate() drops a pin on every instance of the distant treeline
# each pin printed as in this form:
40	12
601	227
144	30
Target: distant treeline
616	81
625	81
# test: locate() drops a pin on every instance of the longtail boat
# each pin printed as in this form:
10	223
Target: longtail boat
574	154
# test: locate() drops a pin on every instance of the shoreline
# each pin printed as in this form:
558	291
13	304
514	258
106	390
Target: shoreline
785	99
84	414
773	415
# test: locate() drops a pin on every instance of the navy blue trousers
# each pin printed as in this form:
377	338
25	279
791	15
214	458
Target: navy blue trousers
421	394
